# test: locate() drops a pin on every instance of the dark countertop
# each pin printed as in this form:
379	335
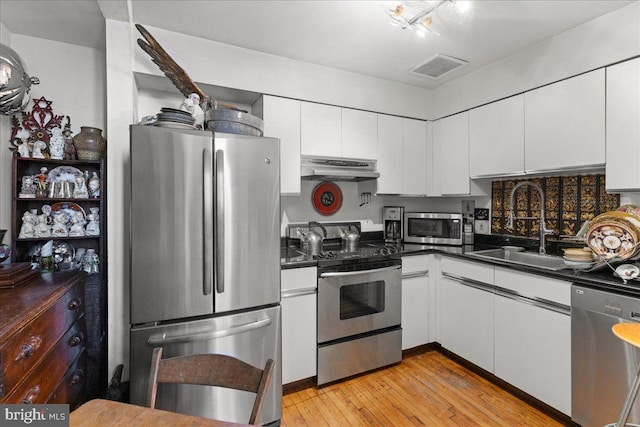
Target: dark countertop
603	279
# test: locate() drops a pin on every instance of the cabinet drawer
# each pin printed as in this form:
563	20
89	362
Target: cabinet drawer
28	346
298	278
531	285
415	264
467	269
44	378
72	383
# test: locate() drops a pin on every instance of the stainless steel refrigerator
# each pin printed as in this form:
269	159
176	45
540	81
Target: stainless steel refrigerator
205	261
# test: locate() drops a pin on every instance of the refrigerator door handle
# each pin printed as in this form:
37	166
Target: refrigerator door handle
219	230
163	339
207	219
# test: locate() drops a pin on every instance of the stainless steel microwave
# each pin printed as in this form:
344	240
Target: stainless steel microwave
433	228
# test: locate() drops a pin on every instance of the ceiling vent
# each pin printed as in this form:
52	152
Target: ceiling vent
437	66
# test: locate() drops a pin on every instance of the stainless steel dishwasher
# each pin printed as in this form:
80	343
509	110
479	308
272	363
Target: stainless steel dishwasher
602	365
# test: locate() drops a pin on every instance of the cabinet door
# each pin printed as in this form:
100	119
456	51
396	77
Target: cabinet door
565	124
298	337
415	301
320	130
359	134
496	138
533	351
623	126
466	322
453	146
414	178
282	120
390	154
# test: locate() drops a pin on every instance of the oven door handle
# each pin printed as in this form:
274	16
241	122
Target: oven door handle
355	273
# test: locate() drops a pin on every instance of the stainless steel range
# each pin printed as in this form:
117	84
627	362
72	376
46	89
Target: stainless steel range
359	307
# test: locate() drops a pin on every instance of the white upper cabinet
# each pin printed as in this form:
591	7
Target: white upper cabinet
451	154
282	120
359	134
496	138
321	130
623	126
390	154
565	124
414	177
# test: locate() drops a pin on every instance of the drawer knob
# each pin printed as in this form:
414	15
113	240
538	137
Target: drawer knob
31	395
77	377
74	304
29	347
76	339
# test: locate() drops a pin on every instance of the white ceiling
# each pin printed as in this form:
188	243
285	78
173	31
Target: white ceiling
349	35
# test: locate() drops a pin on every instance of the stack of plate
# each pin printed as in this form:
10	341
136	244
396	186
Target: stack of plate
614	235
174	118
579	258
233	121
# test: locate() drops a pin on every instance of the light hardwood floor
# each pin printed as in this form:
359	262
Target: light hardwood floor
426	389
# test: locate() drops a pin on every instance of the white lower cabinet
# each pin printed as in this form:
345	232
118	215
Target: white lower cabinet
299	332
465	304
533	351
533	336
415	300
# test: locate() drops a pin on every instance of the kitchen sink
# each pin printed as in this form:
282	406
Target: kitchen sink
547	262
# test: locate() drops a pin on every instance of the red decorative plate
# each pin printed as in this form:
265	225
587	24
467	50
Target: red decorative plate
326	198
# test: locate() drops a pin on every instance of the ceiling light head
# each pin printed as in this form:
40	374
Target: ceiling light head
420	18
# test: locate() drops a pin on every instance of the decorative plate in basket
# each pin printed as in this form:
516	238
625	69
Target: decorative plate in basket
610	236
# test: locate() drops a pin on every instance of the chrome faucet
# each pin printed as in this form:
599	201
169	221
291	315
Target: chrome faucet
511	217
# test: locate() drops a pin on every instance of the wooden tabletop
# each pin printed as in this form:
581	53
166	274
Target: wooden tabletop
99	413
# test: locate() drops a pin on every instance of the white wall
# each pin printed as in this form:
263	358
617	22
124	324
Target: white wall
602	41
5	158
224	65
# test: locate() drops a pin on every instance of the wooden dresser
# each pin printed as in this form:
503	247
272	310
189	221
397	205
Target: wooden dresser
42	340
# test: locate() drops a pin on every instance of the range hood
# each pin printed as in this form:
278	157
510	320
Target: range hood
337	169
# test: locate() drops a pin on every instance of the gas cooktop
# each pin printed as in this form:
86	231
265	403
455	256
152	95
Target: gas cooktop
367	252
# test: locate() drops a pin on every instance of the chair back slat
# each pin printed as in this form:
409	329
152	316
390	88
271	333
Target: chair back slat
216	370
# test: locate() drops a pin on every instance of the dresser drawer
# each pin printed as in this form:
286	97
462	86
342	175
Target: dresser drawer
22	351
72	382
45	377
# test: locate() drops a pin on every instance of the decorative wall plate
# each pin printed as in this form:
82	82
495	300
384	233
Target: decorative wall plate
326	198
610	236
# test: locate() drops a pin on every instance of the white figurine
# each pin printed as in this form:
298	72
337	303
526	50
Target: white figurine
94	186
42	229
23	149
77	225
80	191
93	228
96	213
28	188
27	230
56	144
60	225
192	105
38	146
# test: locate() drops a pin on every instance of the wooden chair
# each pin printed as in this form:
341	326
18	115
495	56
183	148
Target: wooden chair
212	370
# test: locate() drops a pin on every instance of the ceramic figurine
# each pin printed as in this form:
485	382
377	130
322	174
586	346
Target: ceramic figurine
56	144
77	225
60	225
96	213
27	230
69	148
93	227
192	105
80	191
28	188
38	148
94	186
23	149
42	229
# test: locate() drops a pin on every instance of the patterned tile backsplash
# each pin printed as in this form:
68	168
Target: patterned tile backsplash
569	201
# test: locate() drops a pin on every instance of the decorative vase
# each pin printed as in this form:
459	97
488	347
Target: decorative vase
89	143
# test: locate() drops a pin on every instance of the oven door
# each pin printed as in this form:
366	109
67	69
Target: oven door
355	302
